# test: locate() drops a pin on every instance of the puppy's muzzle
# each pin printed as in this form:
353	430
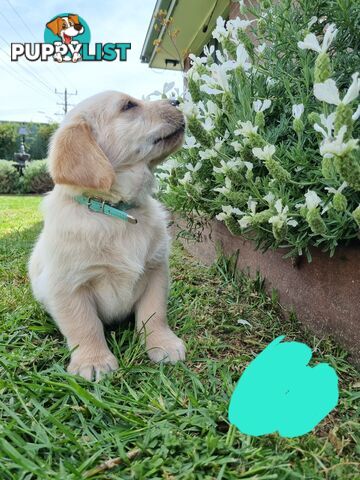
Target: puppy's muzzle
175	123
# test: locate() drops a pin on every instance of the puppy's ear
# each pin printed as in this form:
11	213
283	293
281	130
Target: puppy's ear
54	25
76	159
74	18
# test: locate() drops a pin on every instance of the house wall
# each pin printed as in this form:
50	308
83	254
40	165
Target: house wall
234	10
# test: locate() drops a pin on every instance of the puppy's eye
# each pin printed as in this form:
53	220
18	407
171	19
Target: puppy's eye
128	106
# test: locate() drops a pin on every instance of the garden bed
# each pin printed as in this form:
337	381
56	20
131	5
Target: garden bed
324	293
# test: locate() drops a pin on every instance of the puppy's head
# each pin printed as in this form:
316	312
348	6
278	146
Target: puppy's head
66	27
111	141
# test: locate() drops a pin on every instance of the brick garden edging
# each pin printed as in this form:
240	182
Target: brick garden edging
325	293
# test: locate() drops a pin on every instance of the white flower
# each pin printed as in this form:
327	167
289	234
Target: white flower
221	216
356	114
260	48
188	107
242	7
222	57
209	51
228	210
186	179
217	82
197	60
190	142
237	146
270	82
311	42
220	31
193	168
353	90
246	220
162	175
312	199
219	143
327	125
242	58
229	165
226	189
337	146
281	216
311	22
339	190
208	153
170	164
246	129
237	24
192	74
208	124
252	204
264	153
166	89
261	106
329	93
211	109
297	110
222	169
269	198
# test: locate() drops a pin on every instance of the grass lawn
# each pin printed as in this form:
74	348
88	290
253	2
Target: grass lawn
172	419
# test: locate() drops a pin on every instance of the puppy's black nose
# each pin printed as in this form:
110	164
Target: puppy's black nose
174	102
78	27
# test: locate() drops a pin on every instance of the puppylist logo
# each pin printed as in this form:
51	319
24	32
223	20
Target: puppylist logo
67	39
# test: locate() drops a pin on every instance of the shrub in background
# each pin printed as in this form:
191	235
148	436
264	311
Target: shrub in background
8	139
9	178
36	178
272	147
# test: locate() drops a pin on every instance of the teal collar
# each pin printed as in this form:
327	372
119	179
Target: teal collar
112	209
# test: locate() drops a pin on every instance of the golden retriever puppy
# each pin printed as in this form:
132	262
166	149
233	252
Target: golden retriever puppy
88	268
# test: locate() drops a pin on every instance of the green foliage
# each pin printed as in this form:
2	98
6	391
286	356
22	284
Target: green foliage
36	178
38	148
259	128
8	138
9	177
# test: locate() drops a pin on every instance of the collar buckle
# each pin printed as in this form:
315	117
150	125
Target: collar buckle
103	203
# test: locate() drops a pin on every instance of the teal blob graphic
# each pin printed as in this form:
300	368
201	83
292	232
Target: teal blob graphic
50	37
280	392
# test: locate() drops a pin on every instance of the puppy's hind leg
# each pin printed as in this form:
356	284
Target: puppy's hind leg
76	315
150	313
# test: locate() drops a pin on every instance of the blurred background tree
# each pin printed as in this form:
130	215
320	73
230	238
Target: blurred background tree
36	140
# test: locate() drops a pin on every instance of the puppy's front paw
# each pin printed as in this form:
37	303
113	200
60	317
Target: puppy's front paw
92	367
76	57
58	57
165	347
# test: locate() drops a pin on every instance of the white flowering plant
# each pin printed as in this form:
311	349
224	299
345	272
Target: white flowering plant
272	144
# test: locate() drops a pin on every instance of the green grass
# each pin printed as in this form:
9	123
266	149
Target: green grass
55	426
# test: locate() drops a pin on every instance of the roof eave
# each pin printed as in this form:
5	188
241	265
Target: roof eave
151	35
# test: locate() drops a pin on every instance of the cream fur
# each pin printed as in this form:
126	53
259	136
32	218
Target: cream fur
87	268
